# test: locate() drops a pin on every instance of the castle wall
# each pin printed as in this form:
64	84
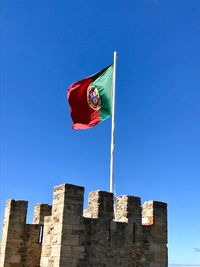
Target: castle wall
20	245
64	227
12	246
154	219
64	236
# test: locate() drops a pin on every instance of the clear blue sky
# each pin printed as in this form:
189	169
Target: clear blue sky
47	45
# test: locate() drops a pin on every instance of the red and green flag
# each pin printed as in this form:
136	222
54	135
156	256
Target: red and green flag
90	99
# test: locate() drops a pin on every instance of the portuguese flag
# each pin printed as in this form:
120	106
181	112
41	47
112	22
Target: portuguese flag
90	99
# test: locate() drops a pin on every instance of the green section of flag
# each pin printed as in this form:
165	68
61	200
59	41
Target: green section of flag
104	85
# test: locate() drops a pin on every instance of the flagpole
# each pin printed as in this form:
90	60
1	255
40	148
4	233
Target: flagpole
112	182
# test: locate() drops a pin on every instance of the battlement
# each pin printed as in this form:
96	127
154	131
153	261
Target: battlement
63	235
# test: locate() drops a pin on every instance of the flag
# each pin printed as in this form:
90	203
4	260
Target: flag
90	99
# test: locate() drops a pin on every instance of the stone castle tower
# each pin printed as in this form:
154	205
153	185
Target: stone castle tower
62	235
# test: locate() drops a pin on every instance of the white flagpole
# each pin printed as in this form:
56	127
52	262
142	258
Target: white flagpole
112	183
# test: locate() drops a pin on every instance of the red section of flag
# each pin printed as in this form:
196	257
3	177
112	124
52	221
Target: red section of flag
82	114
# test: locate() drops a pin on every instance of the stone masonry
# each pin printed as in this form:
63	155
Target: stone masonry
63	235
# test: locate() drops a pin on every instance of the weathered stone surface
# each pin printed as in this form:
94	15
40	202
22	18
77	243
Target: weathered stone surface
40	211
64	236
